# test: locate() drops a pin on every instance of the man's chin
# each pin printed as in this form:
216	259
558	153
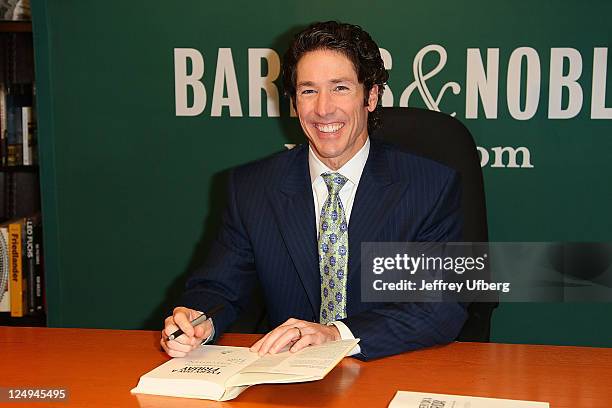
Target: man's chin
328	154
328	148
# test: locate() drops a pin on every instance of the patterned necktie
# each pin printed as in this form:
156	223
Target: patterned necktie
333	251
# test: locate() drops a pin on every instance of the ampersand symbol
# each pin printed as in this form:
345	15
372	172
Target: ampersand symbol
420	79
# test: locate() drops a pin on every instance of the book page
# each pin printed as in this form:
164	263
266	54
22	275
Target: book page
311	361
215	362
201	374
407	399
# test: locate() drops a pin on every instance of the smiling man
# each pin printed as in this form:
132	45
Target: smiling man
296	221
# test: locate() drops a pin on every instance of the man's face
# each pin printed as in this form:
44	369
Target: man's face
330	106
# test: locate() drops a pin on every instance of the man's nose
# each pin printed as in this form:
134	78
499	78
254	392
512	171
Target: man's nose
324	105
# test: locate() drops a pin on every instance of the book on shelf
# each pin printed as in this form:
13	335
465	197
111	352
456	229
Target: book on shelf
22	10
18	124
221	373
21	194
39	293
15	10
5	296
31	235
3	129
21	248
16	278
13	131
3	200
28	127
408	399
7	9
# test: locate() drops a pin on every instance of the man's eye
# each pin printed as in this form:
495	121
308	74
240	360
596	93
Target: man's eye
341	88
307	91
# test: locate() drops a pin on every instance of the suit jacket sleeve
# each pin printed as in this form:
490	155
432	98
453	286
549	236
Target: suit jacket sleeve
228	275
397	327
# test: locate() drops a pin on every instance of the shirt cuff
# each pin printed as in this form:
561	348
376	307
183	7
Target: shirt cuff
346	334
212	333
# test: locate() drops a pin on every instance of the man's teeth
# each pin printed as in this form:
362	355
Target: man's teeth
333	127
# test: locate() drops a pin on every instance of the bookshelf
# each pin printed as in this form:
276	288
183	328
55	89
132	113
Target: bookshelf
19	171
7	26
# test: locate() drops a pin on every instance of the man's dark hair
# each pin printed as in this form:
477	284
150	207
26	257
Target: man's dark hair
348	39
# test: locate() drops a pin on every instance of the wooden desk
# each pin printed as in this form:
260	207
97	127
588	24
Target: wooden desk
99	367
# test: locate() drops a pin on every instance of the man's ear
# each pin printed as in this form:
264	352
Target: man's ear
373	98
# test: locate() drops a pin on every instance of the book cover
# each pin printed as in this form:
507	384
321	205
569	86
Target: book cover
16	271
408	399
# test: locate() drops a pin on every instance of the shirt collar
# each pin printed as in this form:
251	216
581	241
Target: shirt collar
352	169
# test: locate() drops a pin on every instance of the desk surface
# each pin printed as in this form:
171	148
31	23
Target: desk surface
99	367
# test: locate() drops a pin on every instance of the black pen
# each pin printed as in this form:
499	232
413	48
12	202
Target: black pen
198	320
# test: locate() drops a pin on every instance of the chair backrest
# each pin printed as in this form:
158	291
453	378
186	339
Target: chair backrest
442	138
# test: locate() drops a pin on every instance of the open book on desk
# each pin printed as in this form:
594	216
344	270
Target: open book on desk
221	373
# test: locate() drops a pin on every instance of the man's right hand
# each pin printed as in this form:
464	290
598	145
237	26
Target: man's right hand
193	336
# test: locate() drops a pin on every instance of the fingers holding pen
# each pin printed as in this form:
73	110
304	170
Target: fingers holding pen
182	318
191	337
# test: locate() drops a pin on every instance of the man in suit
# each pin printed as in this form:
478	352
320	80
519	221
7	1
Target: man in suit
296	221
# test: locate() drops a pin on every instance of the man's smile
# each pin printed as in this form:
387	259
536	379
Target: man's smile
329	127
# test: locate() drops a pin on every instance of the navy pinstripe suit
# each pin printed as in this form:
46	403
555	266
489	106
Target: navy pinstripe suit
269	233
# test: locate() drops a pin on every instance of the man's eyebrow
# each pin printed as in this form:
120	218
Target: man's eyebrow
333	81
305	83
338	80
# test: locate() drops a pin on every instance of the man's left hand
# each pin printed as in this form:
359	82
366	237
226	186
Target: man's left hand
299	332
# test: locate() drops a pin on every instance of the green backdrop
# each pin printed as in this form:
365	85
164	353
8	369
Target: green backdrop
132	192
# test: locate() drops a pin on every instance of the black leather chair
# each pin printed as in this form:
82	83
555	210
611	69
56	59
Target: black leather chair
442	138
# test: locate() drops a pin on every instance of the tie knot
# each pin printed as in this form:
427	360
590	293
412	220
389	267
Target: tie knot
334	182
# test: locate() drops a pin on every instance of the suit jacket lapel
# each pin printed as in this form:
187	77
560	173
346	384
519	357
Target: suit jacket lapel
292	202
377	195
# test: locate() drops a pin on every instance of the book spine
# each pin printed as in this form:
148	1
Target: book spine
10	195
3	144
33	132
16	281
3	192
19	132
5	297
11	131
28	264
38	269
26	144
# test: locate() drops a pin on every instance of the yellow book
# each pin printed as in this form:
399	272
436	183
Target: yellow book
16	271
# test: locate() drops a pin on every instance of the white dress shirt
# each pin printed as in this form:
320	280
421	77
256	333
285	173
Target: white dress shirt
352	170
